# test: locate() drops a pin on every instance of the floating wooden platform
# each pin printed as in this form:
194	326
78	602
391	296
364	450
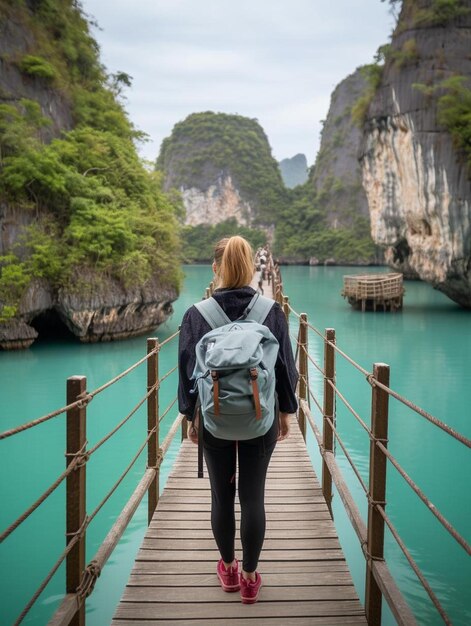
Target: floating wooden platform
306	580
371	291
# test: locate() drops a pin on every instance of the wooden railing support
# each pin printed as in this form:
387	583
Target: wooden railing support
184	428
328	413
303	371
153	423
207	293
285	300
377	492
76	490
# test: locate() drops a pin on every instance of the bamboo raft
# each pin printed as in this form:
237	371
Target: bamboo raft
370	291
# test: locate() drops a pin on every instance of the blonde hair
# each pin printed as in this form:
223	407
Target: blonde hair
234	261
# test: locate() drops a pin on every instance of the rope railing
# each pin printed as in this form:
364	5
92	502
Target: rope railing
123	475
349	407
431	507
132	412
87	397
79	458
314	399
47	580
369	536
372	381
347	456
313	362
450	431
414	566
42	498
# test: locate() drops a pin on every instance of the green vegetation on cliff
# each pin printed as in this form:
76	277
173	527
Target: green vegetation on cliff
304	232
206	145
94	208
453	110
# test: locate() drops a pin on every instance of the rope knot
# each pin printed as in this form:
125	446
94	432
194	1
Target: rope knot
82	456
80	531
371	379
89	577
84	399
158	461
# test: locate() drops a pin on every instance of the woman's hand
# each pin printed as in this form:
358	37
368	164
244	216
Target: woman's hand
284	426
192	431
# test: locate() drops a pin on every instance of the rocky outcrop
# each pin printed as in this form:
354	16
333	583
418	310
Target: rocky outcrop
111	311
106	311
219	203
336	176
417	182
294	171
223	167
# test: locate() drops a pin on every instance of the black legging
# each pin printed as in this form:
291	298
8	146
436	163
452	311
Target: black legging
254	457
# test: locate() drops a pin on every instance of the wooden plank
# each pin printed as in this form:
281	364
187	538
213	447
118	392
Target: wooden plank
287	533
213	555
272	515
206	567
274	525
228	610
197	595
350	620
272	579
309	543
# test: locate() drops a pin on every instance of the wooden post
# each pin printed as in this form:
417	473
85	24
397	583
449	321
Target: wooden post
76	490
377	492
184	428
286	308
207	293
153	423
328	412
303	371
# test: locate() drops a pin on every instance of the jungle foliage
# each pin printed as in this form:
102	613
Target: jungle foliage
93	204
304	232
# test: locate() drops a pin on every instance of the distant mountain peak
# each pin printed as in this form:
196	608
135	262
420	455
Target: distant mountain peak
294	170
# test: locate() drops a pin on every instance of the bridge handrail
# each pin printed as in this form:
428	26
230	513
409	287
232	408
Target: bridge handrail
87	396
77	460
372	381
331	467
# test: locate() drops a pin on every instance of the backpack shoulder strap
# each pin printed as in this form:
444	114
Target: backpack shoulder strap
212	312
258	308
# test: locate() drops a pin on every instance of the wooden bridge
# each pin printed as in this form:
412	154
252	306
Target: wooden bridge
305	575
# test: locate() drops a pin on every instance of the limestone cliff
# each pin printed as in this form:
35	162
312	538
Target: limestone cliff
219	203
336	175
86	234
223	167
415	168
327	219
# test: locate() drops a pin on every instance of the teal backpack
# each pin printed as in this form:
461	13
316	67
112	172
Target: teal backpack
235	371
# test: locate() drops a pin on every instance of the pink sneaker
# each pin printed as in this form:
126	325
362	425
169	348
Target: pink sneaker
249	589
229	578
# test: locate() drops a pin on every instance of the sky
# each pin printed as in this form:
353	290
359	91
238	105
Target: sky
277	61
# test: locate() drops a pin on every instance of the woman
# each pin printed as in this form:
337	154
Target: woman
234	268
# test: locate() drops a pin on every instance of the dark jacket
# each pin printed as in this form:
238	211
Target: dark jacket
234	302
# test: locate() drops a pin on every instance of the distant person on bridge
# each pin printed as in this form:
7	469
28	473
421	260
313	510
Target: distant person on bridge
234	269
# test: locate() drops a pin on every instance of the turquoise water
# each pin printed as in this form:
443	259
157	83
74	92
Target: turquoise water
427	345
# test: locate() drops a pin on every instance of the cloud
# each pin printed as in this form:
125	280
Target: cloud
274	60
